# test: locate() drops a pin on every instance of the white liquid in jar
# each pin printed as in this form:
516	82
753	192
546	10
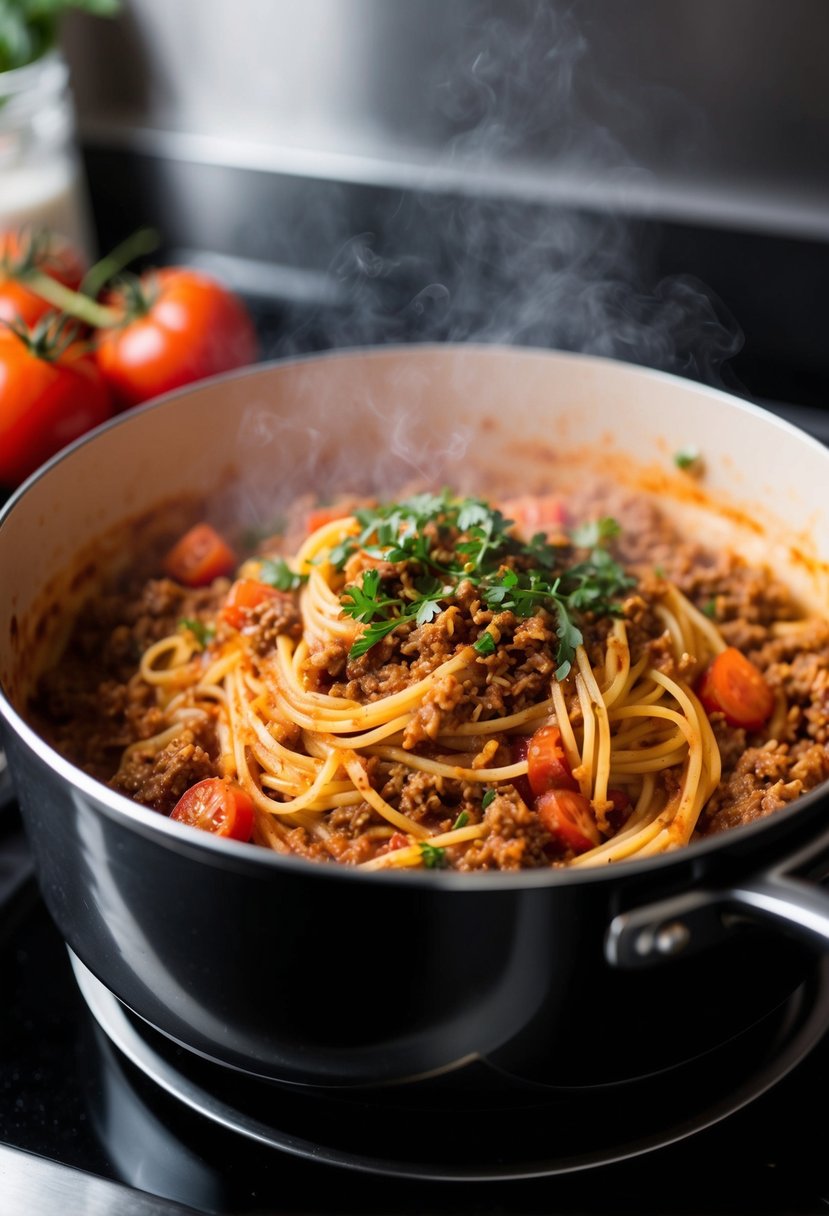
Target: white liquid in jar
46	196
41	182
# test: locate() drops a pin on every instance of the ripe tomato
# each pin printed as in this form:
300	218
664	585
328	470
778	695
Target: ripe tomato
547	764
568	818
216	805
244	595
200	556
179	326
46	401
533	513
732	685
47	252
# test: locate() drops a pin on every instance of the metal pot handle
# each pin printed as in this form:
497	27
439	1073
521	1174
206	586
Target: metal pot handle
697	920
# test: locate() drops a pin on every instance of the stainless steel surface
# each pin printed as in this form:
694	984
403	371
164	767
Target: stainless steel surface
35	1186
690	108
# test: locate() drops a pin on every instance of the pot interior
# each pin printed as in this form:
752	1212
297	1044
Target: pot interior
480	419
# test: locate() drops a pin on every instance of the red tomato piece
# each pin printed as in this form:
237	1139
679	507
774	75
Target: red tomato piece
568	818
318	517
244	595
548	766
217	805
46	252
619	814
200	556
533	513
735	687
46	401
519	747
179	326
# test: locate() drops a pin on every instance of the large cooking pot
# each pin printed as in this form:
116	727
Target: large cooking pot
324	975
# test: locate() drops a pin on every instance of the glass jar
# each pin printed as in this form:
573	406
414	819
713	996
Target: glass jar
41	179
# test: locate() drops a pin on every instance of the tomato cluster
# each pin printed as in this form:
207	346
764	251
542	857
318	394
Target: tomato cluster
69	361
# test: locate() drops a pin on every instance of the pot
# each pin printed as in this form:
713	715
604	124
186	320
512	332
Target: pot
329	976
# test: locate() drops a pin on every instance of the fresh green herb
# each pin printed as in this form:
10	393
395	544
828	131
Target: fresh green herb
29	28
686	458
659	571
203	633
485	644
432	856
276	572
463	819
595	532
488	799
710	609
447	541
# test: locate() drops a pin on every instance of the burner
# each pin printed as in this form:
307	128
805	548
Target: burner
476	1124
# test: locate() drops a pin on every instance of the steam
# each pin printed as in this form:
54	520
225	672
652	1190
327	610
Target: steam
483	262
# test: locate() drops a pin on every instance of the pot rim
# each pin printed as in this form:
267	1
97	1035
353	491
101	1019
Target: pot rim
243	856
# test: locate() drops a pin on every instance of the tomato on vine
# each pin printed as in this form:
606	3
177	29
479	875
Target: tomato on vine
176	326
28	255
51	392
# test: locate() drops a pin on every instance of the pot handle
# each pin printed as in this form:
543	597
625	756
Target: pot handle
699	919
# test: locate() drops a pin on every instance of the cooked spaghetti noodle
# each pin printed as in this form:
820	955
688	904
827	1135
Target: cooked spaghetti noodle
427	683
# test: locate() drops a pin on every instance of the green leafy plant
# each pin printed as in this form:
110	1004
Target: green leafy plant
29	28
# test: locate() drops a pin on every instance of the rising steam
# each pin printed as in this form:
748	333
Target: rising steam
512	253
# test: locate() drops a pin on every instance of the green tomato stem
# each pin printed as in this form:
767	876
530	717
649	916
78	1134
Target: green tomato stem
73	302
138	244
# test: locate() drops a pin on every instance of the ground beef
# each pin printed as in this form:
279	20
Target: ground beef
277	615
93	705
516	840
159	779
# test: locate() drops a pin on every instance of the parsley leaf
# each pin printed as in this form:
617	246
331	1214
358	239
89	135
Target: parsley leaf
201	632
444	541
276	572
488	799
595	532
686	458
463	818
432	856
485	644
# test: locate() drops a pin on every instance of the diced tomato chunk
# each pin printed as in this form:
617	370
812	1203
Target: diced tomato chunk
735	687
217	805
619	813
519	747
318	517
245	595
533	513
548	766
568	818
200	556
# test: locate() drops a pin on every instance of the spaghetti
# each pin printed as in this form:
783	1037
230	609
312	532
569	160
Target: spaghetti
384	696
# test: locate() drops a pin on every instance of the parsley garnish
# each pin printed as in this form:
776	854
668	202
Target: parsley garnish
432	856
485	644
710	609
276	572
463	818
201	632
488	799
446	541
686	458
